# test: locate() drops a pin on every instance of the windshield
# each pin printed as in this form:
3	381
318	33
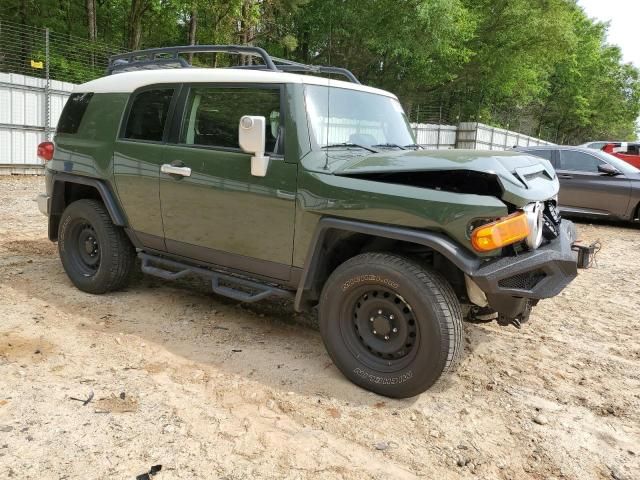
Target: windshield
621	165
344	117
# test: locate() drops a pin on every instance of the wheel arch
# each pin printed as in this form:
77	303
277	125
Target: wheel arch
336	240
68	188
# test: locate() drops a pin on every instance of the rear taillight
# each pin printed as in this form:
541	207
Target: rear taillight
45	151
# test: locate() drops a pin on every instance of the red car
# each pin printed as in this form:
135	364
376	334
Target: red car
629	152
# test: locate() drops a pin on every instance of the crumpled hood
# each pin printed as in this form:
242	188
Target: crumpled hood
524	178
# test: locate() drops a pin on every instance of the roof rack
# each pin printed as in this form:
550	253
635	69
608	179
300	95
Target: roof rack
169	57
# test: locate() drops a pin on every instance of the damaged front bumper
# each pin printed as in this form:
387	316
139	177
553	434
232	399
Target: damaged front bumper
512	284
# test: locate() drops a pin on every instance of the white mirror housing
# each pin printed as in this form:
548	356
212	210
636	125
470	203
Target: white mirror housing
252	139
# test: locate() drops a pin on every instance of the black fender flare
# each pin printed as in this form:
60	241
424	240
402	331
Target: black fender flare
104	189
458	255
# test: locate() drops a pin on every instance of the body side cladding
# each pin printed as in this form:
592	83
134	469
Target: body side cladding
58	200
460	257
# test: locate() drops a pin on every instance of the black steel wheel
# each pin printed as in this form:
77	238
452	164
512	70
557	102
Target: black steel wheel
389	324
383	330
86	255
97	256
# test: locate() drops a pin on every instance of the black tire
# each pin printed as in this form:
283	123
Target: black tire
97	256
419	332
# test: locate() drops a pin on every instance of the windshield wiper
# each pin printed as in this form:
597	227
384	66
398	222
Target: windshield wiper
414	145
337	145
389	145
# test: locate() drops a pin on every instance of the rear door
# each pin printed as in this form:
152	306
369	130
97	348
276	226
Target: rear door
220	213
137	156
583	189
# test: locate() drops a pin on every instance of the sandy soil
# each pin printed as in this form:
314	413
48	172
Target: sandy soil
212	389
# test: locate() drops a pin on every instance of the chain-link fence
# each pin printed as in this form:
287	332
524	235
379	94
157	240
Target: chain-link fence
40	52
38	69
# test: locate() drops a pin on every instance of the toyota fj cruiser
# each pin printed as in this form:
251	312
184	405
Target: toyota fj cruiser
273	182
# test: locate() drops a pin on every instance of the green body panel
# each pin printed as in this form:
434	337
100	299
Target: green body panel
321	194
223	207
89	152
136	170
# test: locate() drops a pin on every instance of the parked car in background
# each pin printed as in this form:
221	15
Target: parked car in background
598	145
593	183
629	152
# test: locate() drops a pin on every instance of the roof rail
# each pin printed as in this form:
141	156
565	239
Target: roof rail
168	57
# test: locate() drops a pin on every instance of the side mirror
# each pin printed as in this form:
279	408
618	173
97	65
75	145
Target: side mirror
252	138
608	169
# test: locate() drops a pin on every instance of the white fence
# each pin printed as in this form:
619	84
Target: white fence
471	135
478	136
29	112
435	137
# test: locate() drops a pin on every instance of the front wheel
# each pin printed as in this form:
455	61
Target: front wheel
389	324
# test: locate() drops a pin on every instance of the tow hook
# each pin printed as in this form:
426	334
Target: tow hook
586	254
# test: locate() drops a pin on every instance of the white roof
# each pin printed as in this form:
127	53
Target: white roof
129	81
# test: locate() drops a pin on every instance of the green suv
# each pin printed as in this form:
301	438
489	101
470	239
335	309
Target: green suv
272	182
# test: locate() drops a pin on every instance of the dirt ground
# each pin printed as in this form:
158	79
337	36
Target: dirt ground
211	389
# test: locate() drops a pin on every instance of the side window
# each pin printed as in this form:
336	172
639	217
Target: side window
212	116
578	161
73	112
548	154
148	115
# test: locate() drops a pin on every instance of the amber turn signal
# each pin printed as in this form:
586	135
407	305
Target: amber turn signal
502	232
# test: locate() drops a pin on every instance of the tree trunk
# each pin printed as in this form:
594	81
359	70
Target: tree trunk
138	9
90	6
193	24
243	31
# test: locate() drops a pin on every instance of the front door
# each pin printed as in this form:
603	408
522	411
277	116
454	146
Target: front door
220	213
583	189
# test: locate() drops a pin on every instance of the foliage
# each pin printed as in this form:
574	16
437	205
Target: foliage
539	66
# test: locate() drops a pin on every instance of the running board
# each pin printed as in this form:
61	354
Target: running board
153	265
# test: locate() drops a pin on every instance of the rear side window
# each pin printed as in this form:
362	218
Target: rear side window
212	116
148	115
73	112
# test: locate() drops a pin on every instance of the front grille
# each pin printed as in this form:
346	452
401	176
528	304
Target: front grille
523	281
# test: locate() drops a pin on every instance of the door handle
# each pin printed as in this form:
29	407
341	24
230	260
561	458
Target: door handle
565	176
173	170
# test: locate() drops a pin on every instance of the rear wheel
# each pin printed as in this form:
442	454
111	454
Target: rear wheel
97	256
389	324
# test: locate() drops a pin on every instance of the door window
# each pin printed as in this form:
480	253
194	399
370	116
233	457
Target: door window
148	115
212	116
578	161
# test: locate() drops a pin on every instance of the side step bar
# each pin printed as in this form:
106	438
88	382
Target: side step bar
153	265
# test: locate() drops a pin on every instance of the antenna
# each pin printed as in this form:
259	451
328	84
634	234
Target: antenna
326	150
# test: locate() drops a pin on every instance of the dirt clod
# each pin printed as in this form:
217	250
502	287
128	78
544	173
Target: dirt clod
540	419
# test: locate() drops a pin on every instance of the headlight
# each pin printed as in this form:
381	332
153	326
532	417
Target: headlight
535	220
